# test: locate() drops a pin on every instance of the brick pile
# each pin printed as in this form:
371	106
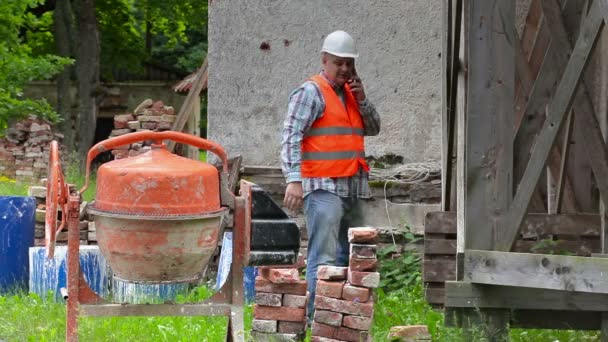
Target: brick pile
279	313
24	151
147	116
344	305
87	227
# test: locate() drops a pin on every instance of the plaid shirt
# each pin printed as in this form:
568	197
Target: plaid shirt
306	105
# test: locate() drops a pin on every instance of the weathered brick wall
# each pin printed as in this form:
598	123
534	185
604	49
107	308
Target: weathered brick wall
24	151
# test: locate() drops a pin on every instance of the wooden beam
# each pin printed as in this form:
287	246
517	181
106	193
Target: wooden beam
469	295
543	271
534	224
193	95
446	75
558	109
537	319
489	114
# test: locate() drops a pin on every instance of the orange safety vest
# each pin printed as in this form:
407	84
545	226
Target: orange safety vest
333	146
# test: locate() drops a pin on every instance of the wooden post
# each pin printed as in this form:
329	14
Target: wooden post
489	141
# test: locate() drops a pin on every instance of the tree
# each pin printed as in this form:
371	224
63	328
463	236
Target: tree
18	63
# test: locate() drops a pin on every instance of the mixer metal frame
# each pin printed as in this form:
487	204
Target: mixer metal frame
228	301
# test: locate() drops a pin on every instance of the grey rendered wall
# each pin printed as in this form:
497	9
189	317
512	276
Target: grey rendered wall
399	43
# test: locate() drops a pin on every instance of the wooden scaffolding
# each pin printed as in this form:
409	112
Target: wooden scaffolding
521	240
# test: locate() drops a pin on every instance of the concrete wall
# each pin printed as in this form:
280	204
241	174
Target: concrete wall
399	43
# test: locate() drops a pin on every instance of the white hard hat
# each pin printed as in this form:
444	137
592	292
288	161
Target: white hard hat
341	44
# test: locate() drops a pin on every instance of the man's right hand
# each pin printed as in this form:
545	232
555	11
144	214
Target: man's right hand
294	196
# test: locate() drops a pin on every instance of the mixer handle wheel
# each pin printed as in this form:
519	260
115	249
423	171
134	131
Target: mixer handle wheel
130	138
56	195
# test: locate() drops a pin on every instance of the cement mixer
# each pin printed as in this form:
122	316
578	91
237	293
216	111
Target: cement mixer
158	218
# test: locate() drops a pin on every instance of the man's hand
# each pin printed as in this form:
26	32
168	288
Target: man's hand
294	196
357	88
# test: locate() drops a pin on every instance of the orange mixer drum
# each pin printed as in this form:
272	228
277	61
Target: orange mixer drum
158	215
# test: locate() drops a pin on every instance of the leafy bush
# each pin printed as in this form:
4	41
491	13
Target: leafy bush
399	270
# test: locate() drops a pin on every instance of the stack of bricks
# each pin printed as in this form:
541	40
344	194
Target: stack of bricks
87	227
24	151
279	313
147	116
344	304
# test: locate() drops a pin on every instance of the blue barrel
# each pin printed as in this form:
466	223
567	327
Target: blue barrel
17	220
51	274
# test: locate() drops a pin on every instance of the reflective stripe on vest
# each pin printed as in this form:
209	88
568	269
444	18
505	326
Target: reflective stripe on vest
320	131
332	155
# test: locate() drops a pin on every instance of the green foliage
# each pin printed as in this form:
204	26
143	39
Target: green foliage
9	187
18	63
399	269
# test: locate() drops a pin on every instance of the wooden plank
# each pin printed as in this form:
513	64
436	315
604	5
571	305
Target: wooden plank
588	127
557	272
575	247
193	95
434	295
489	119
565	320
558	108
446	77
535	224
439	246
438	270
469	295
536	319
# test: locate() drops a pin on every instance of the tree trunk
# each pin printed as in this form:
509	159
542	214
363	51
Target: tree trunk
63	26
87	71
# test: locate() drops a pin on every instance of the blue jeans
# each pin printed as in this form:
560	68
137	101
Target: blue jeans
328	218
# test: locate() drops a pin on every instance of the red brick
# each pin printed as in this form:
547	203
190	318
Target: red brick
120	121
291	327
281	313
362	251
264	285
410	332
294	301
347	334
328	317
337	333
326	272
323	330
365	279
281	275
344	306
357	322
362	235
362	265
356	293
330	288
268	299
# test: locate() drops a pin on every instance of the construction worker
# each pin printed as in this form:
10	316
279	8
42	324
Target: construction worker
323	154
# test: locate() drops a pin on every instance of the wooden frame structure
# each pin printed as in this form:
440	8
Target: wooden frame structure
531	160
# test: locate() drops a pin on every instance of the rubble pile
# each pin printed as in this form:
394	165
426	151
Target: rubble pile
24	151
147	116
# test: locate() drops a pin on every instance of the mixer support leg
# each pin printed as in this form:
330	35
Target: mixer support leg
236	325
73	276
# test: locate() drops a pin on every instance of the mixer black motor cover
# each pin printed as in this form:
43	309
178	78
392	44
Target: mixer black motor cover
275	238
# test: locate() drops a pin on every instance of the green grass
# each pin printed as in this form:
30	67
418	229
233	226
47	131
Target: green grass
9	187
26	317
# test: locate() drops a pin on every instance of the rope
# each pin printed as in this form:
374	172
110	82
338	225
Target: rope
413	173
